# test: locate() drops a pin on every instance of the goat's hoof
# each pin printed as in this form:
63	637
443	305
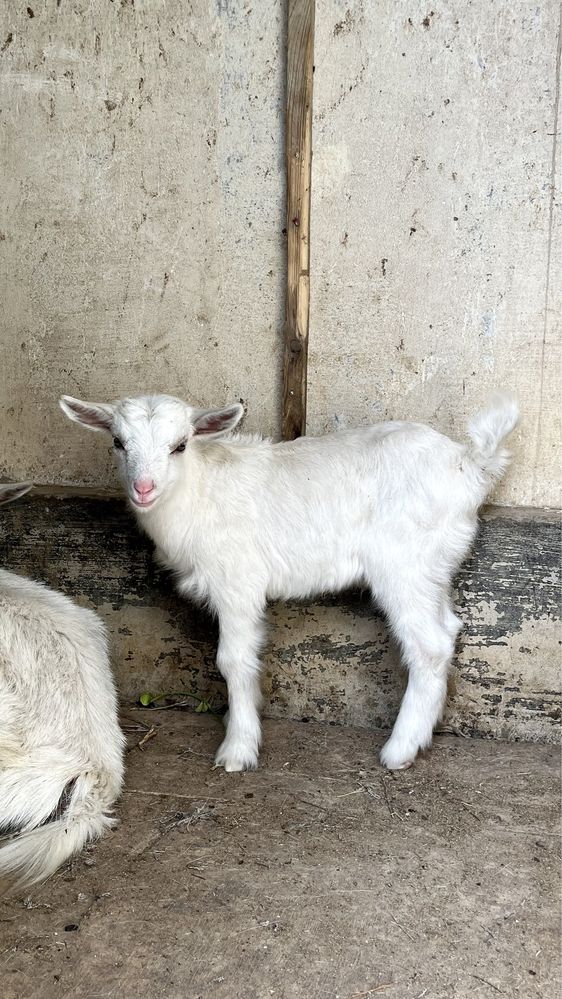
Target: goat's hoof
235	757
400	766
234	766
396	757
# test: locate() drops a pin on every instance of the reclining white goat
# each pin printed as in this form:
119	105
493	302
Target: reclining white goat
242	521
61	749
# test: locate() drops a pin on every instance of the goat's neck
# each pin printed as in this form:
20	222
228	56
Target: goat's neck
175	517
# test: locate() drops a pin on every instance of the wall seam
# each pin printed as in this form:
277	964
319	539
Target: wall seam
549	248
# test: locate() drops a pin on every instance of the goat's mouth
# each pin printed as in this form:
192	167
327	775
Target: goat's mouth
142	503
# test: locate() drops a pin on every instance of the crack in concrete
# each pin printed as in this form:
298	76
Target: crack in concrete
549	248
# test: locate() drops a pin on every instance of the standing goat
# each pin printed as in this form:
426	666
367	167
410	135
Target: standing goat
61	748
242	521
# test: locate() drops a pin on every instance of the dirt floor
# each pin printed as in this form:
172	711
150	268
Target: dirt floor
319	875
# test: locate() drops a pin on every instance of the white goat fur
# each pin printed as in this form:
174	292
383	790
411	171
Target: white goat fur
241	521
61	749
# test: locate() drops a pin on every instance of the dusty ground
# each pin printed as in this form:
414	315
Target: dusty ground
317	876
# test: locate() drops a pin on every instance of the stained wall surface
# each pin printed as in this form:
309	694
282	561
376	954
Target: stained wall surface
142	242
436	270
331	660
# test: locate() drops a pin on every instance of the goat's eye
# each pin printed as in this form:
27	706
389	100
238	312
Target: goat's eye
180	448
117	444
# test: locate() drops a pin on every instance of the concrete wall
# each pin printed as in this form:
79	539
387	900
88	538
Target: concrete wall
436	269
142	245
142	249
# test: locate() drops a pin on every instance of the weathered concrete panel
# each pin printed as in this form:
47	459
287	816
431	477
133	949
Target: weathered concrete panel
142	248
330	660
436	238
141	244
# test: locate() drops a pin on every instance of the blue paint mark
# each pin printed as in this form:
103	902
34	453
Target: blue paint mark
489	323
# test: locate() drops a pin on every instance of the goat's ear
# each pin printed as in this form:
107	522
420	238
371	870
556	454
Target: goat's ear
213	422
93	415
13	490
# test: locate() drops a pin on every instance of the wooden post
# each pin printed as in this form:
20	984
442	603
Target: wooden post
298	151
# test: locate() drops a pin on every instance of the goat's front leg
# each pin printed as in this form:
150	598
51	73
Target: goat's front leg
240	636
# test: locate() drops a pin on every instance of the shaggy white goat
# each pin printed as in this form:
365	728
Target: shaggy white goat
242	521
61	748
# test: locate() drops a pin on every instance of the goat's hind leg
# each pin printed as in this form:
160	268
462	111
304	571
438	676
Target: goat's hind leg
238	660
425	626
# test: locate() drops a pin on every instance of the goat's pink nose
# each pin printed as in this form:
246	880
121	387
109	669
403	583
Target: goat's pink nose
143	486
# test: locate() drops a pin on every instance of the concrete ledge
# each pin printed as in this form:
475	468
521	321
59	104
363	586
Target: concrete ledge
330	660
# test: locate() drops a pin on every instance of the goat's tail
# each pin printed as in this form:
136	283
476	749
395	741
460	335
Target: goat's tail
487	431
60	815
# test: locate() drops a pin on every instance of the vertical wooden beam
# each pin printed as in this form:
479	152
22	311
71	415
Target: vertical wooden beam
298	151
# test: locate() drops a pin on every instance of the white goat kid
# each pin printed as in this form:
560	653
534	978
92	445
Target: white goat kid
61	749
242	521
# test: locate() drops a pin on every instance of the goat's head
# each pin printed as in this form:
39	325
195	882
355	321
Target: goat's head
150	436
13	490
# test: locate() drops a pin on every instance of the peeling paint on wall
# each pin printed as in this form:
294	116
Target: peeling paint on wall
330	660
